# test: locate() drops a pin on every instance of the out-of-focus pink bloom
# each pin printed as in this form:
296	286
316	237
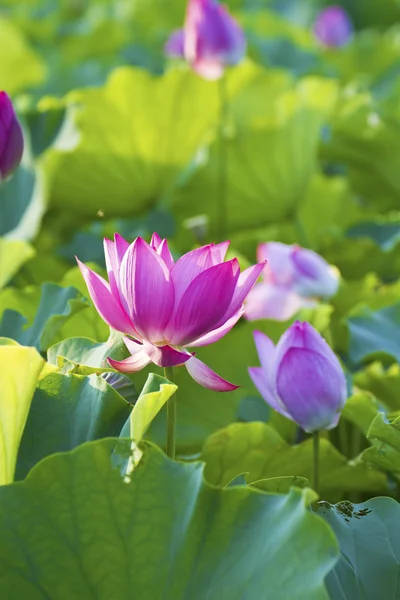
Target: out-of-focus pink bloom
163	306
210	41
301	377
333	27
11	138
293	278
175	44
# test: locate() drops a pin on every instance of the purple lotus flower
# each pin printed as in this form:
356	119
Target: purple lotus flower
210	41
293	278
301	378
163	306
11	138
333	27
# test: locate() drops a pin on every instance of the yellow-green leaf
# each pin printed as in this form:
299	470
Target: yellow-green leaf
153	397
20	66
19	369
13	254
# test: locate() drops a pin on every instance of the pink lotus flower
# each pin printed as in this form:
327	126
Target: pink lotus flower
293	278
163	306
333	27
11	138
210	41
301	378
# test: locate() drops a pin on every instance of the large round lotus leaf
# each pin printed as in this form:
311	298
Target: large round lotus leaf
86	531
269	162
123	144
20	65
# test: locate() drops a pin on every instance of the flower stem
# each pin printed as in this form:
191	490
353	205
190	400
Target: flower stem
171	416
343	438
222	170
315	436
301	233
355	442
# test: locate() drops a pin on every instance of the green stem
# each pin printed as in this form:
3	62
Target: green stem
171	416
315	436
301	233
397	494
355	446
222	207
355	442
343	437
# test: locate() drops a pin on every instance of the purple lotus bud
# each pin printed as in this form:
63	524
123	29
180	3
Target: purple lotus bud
11	138
301	377
333	27
211	40
163	306
175	44
293	278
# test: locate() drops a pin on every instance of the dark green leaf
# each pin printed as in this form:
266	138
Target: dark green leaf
44	124
84	531
370	549
386	235
66	411
15	196
259	451
57	305
375	334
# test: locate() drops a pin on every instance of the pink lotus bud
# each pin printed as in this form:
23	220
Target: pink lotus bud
293	278
301	377
163	306
11	138
211	40
333	27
